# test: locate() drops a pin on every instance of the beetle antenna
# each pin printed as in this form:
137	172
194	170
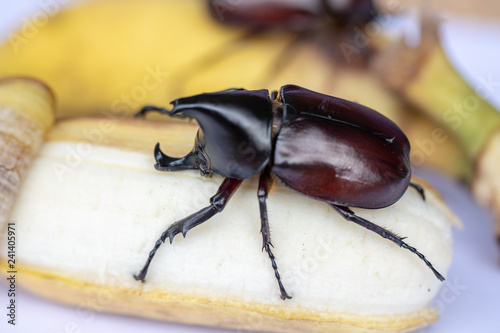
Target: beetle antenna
150	108
351	216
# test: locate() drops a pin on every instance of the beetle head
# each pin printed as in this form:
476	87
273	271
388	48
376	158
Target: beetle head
234	139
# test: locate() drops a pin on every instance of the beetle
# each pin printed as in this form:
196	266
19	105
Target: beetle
326	148
335	27
292	15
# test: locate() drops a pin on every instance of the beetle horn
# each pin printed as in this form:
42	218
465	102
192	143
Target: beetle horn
167	163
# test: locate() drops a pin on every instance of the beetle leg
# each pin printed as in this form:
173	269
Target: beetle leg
419	189
217	204
349	215
265	183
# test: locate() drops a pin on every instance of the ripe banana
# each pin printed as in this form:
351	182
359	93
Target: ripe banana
94	183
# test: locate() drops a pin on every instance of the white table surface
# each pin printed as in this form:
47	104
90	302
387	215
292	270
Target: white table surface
470	297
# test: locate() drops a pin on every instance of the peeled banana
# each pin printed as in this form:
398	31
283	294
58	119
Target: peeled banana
96	187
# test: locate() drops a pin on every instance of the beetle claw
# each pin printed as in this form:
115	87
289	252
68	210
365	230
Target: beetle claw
284	296
419	189
139	278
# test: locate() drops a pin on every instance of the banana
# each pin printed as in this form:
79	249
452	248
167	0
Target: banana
26	115
426	79
113	217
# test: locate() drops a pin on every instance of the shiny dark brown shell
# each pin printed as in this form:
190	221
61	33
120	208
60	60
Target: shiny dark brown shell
339	151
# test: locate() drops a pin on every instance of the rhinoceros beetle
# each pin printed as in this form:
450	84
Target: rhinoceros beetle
336	28
323	147
292	15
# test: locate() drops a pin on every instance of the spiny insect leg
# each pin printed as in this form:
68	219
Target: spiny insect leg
350	216
217	204
265	183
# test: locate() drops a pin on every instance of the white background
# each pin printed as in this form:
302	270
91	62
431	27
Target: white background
471	294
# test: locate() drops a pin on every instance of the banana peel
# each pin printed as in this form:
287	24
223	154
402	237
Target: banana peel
26	115
93	182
